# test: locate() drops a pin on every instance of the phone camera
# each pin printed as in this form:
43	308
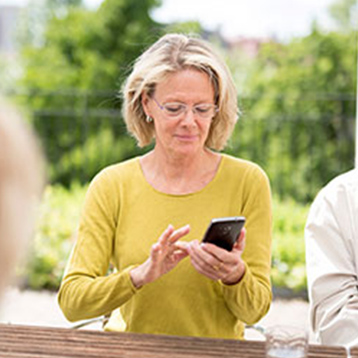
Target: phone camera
225	230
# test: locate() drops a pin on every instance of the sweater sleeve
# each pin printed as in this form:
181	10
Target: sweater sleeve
250	299
86	290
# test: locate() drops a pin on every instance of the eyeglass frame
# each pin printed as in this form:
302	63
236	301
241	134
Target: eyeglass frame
186	108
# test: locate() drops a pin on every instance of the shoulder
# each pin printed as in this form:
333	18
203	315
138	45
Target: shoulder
337	196
111	176
244	168
344	185
346	181
117	170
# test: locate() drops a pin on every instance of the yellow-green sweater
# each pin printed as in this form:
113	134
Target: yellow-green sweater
123	216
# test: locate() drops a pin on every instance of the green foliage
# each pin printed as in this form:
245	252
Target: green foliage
58	220
189	27
77	69
288	247
54	236
297	102
93	50
298	106
93	160
345	14
5	78
298	112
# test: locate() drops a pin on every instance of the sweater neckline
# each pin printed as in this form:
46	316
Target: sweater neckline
205	188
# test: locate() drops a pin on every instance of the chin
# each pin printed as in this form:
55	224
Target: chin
188	148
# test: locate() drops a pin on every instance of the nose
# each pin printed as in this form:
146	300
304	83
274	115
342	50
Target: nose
189	116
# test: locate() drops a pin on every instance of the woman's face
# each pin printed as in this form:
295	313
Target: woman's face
186	133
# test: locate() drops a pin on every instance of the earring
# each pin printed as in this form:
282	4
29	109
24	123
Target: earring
149	119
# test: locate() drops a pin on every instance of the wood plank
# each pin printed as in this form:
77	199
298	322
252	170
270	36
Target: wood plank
45	342
93	344
119	341
354	352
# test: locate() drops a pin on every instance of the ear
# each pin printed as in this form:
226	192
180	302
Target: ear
145	104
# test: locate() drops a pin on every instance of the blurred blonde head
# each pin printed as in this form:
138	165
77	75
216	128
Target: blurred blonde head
21	184
170	54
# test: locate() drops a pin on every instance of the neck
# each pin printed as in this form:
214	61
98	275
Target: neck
180	174
177	166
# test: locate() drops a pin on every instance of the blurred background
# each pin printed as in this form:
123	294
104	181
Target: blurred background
294	65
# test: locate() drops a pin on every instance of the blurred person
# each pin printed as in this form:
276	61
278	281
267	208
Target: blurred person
331	235
147	215
21	184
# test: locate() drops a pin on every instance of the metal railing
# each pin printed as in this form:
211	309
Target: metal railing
83	132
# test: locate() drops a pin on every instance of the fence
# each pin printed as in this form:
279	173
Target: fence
83	132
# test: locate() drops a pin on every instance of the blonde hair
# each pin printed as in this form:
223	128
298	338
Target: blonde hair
21	183
170	54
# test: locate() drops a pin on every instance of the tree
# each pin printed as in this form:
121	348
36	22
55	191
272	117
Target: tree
299	110
72	78
34	19
345	14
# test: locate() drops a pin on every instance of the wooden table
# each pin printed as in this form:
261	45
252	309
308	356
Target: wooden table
354	352
43	342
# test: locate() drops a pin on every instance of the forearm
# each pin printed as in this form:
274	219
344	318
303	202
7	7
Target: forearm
236	276
341	326
83	297
250	299
334	310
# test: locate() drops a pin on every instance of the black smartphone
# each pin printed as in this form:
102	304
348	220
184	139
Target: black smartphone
224	232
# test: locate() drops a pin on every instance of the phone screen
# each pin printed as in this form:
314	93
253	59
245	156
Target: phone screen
224	232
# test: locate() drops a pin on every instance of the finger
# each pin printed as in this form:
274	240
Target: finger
207	262
181	245
179	255
229	257
179	233
208	271
239	246
195	254
155	252
176	248
164	237
240	243
218	253
242	234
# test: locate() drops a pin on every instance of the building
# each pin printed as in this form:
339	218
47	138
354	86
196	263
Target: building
248	45
8	21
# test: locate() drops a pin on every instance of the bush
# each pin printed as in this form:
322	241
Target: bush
58	219
288	249
54	237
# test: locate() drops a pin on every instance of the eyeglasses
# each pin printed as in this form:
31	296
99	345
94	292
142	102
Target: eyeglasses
175	109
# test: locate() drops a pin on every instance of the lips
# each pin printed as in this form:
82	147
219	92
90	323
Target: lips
187	137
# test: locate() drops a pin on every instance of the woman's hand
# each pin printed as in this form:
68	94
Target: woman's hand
217	263
164	256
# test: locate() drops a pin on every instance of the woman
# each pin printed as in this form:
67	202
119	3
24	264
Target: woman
149	214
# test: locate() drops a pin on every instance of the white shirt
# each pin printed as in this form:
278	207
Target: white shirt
331	235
